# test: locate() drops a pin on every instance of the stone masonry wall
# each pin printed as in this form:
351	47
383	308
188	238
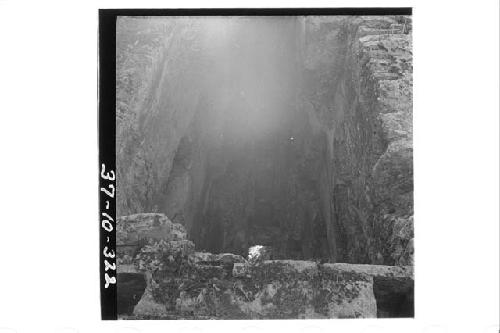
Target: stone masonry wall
358	93
182	283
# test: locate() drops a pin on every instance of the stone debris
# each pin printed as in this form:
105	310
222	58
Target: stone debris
182	283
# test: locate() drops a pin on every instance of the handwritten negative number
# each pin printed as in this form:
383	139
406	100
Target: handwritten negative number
108	266
108	253
108	175
107	224
110	194
109	280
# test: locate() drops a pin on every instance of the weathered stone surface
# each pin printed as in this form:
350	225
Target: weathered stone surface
280	289
147	243
165	82
150	226
402	240
167	279
240	270
372	270
220	258
360	96
146	239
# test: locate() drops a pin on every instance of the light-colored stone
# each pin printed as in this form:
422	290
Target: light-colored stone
372	270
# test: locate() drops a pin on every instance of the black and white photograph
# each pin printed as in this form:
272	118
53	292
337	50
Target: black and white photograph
258	166
264	166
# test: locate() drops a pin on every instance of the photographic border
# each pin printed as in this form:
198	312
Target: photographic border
107	116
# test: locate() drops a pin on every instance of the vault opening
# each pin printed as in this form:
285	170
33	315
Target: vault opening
394	297
131	287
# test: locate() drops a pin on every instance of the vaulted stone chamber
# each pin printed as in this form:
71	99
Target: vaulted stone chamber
292	132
